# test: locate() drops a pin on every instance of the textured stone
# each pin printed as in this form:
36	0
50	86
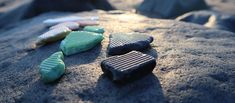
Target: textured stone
52	68
53	35
80	41
95	29
70	25
121	43
128	67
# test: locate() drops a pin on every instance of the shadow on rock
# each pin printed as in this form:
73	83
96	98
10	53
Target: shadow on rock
147	89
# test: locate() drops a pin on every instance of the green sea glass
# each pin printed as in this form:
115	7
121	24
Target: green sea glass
52	68
79	41
95	29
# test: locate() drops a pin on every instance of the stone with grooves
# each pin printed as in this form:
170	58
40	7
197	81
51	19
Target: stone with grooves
121	43
128	67
95	29
70	25
52	68
79	41
53	35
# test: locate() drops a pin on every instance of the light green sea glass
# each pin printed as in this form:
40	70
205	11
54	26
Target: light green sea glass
52	68
79	41
95	29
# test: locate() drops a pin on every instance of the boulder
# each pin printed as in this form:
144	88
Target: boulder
16	10
210	19
170	8
194	64
40	6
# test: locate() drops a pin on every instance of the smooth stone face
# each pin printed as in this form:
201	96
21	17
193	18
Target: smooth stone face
53	35
70	25
128	67
87	23
121	43
51	22
52	68
79	41
95	29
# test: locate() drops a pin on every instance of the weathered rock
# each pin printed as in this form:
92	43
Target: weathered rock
127	67
170	8
210	19
52	68
121	43
80	41
194	64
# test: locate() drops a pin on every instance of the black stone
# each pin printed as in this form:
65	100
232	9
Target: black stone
128	67
121	43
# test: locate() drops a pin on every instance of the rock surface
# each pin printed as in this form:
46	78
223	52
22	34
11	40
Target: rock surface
194	64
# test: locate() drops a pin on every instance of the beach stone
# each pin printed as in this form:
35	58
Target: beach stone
52	68
70	25
121	43
210	19
96	29
127	67
53	35
194	64
170	8
80	41
55	21
88	23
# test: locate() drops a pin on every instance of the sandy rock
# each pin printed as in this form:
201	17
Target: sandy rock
194	64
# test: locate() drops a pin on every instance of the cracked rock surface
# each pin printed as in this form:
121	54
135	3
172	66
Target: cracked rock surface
194	64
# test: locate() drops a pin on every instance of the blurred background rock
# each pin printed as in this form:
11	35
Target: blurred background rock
12	11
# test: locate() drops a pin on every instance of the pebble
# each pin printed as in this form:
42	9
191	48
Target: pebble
80	41
52	68
127	67
70	25
96	29
53	35
121	43
52	22
87	23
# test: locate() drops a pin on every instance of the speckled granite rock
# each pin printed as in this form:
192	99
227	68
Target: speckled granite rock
194	64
